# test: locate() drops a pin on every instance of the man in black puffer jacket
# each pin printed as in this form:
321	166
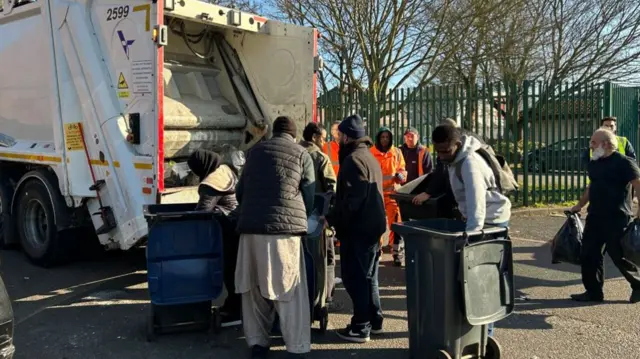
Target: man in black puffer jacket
359	219
275	193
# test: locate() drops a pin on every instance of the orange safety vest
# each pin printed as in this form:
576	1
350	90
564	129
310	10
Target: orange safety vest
331	149
422	151
391	162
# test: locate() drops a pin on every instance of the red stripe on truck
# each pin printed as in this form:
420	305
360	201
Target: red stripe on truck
160	94
314	106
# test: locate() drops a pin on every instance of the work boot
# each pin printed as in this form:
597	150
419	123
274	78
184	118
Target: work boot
259	352
635	296
587	297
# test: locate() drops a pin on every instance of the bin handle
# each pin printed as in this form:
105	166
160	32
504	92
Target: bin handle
466	235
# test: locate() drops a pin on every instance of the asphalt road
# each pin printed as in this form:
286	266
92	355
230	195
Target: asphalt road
98	309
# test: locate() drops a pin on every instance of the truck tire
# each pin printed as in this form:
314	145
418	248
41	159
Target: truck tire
7	227
39	236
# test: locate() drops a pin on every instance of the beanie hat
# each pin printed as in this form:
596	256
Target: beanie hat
284	124
352	127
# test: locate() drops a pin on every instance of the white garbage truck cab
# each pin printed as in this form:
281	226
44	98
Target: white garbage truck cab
102	101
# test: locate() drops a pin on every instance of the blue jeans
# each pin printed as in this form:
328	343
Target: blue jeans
503	225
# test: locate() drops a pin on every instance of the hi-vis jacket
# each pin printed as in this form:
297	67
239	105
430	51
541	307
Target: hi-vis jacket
391	162
424	163
332	148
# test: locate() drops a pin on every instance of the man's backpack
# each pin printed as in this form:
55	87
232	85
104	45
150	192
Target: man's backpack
505	180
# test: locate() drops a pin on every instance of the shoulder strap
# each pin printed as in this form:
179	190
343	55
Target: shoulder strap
458	170
487	157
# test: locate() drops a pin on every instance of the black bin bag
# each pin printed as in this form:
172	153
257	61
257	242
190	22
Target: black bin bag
631	243
567	244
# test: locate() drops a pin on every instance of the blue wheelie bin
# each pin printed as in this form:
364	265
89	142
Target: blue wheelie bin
457	284
184	268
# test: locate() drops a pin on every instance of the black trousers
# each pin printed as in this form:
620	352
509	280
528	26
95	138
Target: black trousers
359	263
603	234
230	244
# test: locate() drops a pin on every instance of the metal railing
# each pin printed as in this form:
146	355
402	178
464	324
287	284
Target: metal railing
542	129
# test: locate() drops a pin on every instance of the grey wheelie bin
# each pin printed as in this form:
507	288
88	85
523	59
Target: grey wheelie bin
457	284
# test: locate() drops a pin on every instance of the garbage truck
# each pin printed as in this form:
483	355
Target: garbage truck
102	101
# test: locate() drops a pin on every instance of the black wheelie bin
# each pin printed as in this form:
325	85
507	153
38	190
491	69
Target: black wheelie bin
457	284
441	205
315	245
315	258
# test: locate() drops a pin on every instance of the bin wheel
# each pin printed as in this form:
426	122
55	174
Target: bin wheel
324	319
151	325
216	320
442	354
494	350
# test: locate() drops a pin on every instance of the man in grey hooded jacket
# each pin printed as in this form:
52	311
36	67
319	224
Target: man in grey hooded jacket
472	181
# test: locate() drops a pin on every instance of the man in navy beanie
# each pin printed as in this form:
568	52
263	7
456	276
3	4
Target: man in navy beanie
359	220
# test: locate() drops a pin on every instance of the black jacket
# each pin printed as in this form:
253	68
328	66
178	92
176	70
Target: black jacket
276	188
218	191
358	213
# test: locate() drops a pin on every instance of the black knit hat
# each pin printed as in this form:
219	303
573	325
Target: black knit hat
284	124
352	127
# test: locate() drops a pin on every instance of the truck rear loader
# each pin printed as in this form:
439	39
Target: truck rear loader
100	99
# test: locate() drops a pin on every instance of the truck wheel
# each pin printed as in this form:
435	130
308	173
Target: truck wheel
6	222
36	226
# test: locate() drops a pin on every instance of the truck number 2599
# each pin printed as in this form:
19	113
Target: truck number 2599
116	13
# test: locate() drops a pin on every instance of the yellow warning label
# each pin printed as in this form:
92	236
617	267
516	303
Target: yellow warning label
73	137
122	83
123	94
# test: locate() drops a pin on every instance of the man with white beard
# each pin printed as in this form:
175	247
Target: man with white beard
612	175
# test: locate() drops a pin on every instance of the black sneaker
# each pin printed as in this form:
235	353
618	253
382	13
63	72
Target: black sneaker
258	352
230	319
587	297
635	297
377	329
354	336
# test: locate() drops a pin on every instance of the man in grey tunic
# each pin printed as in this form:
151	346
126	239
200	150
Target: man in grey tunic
275	196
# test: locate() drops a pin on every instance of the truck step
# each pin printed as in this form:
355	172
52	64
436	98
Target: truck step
98	185
108	220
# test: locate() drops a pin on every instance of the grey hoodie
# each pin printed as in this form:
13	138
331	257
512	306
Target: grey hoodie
476	202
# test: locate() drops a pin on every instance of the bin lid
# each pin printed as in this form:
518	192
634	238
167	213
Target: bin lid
441	227
487	273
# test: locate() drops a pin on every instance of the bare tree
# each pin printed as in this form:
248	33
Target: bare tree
379	45
253	6
592	40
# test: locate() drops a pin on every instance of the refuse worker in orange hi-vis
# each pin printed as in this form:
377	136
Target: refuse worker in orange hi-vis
332	147
393	174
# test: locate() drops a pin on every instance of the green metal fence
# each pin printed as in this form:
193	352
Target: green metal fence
542	129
